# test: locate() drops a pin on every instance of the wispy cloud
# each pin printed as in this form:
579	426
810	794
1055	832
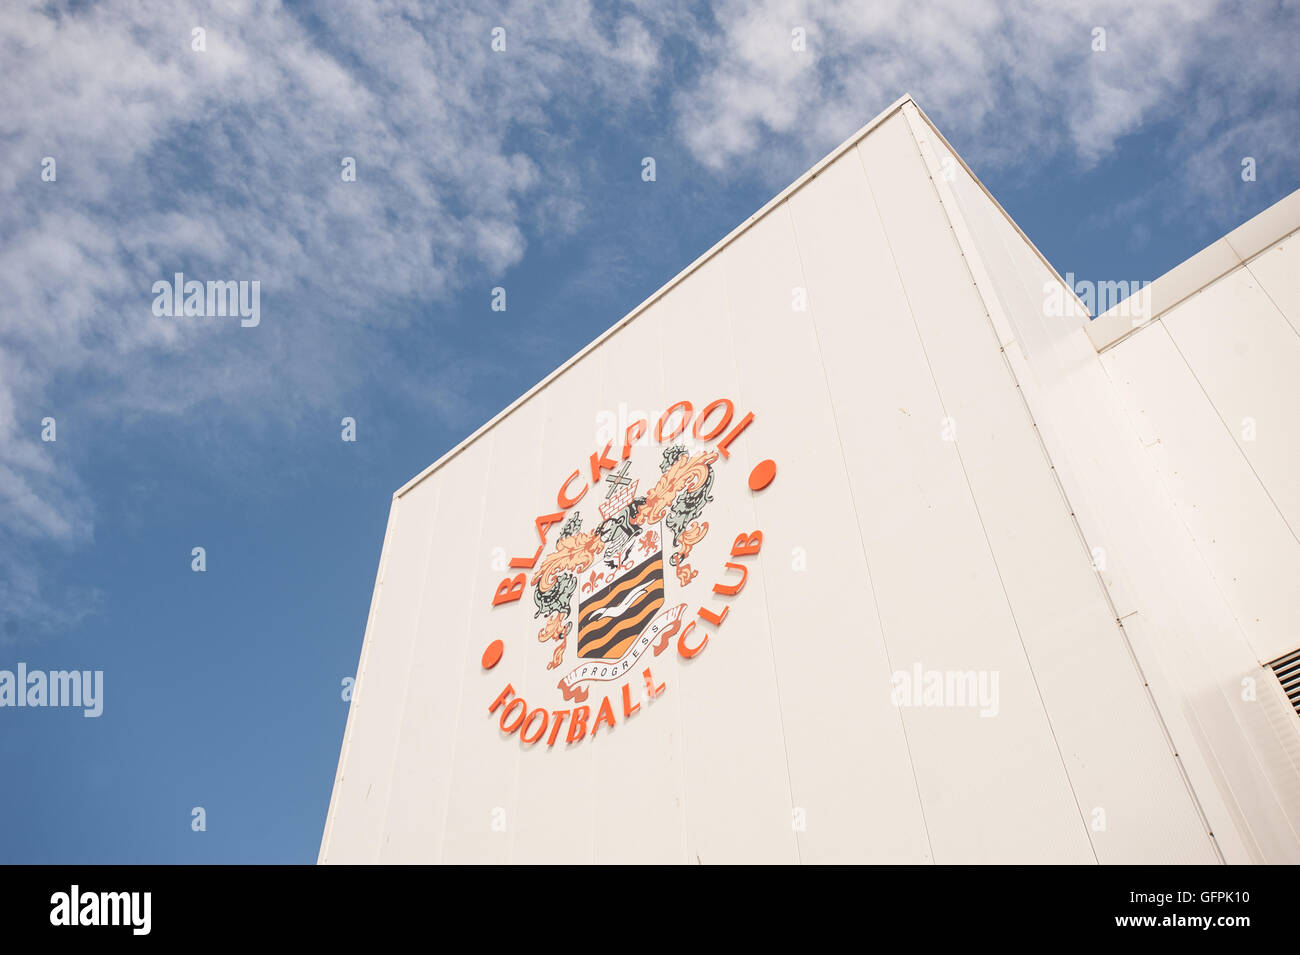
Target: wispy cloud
225	164
1022	82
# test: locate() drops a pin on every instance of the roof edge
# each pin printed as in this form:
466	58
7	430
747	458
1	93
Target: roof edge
997	205
1250	239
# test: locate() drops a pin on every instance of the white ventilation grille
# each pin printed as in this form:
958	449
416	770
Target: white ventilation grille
1287	669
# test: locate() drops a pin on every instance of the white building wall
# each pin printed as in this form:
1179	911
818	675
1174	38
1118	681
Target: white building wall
1211	386
917	517
1140	441
1122	768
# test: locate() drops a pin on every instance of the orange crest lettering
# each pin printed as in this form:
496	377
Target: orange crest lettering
608	599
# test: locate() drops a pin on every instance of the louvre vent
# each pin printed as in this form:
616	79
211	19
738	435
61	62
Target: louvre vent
1287	669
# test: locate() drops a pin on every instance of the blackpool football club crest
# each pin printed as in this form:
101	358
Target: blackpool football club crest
610	591
618	571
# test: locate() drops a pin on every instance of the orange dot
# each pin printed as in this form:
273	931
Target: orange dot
762	475
492	655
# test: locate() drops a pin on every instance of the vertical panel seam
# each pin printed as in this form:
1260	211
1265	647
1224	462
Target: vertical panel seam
979	516
1236	722
862	544
1259	281
1235	443
406	690
1195	724
1082	538
767	609
458	719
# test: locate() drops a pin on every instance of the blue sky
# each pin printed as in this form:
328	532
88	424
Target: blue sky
475	169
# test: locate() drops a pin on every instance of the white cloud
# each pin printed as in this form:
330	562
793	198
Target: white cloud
1020	81
225	164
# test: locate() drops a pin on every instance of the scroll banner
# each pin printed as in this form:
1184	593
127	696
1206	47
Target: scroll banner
657	634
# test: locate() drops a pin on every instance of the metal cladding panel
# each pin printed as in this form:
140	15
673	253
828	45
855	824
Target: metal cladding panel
1209	388
880	322
1190	650
555	789
737	784
825	642
1245	356
362	790
1011	760
1136	801
479	780
1247	545
352	836
1277	273
1180	630
420	788
883	411
1239	753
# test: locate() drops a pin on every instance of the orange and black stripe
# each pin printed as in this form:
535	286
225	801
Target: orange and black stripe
607	638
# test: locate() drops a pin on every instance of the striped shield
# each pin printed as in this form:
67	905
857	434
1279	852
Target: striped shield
611	619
